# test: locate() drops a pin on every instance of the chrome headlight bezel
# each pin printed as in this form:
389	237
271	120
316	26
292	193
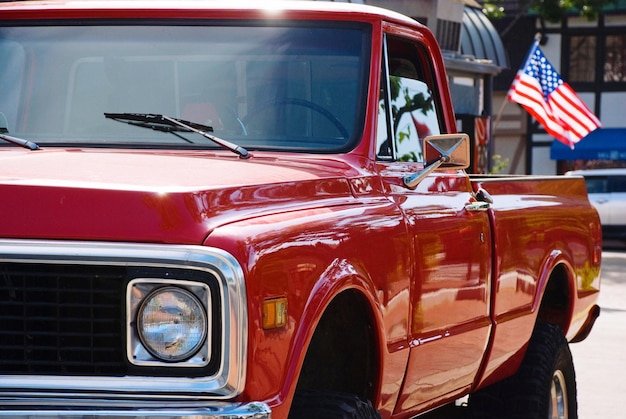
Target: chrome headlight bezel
225	376
139	353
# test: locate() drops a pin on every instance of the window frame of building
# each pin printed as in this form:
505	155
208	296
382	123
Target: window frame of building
588	72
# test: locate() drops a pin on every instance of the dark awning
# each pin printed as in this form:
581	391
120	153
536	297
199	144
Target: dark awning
600	144
480	39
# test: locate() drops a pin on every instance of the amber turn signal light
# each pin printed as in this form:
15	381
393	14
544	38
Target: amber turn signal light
274	313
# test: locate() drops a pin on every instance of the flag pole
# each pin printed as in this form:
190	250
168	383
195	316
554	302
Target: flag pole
499	114
536	42
496	122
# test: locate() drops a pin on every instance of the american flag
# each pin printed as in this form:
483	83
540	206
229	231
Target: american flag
539	88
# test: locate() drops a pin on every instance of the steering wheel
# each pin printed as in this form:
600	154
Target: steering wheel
305	104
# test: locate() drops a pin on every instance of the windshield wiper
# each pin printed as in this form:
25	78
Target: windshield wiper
20	141
165	123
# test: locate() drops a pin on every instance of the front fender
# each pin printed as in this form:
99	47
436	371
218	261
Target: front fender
340	276
310	257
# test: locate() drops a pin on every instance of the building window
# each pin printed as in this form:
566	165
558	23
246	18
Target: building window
615	58
582	63
448	34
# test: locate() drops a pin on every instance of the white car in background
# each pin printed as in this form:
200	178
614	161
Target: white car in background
607	193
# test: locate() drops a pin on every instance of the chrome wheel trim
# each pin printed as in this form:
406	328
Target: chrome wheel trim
558	396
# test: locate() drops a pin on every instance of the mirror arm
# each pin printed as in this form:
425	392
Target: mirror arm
414	179
448	150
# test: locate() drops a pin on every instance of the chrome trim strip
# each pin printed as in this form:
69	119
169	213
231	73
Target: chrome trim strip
102	409
136	353
230	377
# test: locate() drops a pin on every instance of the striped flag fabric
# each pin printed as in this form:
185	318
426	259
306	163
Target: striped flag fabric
540	90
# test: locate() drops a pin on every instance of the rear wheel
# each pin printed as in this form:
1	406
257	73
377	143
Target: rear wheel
543	388
331	405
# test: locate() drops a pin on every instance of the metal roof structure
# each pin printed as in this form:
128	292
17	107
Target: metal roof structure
480	39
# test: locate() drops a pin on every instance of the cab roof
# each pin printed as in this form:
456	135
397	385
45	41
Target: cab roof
200	9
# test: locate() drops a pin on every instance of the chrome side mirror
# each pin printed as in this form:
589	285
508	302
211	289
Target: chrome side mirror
450	151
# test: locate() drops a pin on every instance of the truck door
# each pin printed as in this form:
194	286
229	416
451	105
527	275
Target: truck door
449	311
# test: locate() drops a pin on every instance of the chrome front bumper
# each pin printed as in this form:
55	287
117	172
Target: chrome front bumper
42	408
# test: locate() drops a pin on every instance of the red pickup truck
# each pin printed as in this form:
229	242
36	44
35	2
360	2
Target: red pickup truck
211	210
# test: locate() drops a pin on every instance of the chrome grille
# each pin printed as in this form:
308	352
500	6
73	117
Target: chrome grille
61	319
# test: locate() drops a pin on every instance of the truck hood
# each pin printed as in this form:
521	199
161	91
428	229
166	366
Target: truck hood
164	197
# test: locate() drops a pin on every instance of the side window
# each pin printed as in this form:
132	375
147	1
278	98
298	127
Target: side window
597	184
618	184
407	106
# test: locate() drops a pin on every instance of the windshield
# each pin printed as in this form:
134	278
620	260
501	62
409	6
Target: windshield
262	87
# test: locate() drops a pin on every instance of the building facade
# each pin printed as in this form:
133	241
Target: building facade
591	57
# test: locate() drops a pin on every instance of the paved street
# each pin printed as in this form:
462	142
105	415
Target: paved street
600	360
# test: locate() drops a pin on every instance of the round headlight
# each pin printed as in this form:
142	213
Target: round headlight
172	324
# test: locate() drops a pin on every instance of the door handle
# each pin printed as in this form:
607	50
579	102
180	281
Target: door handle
482	201
477	206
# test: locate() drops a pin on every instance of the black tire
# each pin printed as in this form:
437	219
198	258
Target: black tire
331	405
543	388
